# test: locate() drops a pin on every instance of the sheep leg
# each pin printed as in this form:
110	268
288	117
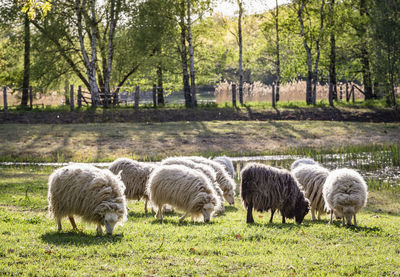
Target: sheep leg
272	216
343	221
72	220
355	222
319	215
313	214
331	220
183	217
99	230
59	224
250	218
159	213
145	205
283	219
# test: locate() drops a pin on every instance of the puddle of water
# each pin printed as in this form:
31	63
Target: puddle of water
377	166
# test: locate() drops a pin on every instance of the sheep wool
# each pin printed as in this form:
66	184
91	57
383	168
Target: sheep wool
227	164
208	171
299	162
96	195
135	176
183	188
311	179
226	183
266	188
345	193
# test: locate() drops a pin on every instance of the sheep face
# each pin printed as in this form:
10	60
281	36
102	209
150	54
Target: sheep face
207	210
302	208
110	219
230	197
348	213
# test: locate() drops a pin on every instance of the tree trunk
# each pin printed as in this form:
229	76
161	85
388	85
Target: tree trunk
278	61
27	50
240	52
114	15
89	64
191	56
160	89
309	61
332	56
366	70
315	77
185	74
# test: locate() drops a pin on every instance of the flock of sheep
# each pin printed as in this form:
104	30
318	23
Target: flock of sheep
199	187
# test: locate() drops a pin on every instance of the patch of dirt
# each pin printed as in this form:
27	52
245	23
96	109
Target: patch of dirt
204	114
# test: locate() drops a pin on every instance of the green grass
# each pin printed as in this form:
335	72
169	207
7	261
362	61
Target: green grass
30	244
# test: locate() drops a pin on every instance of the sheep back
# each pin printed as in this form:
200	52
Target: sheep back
134	175
86	191
272	188
227	164
311	179
344	188
301	161
181	187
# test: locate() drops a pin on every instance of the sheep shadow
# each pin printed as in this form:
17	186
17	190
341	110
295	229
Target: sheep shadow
230	209
140	215
358	229
186	222
79	239
276	225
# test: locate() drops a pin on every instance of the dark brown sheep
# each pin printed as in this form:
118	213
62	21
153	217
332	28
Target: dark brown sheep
267	188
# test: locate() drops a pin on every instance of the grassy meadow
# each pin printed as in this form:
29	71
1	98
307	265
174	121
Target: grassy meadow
154	141
31	246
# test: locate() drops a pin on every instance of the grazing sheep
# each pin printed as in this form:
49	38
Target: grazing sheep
298	162
135	176
183	188
311	178
226	183
227	164
345	193
205	169
94	194
267	188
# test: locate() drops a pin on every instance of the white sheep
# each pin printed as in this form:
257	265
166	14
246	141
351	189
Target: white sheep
205	169
183	188
96	195
311	179
345	193
298	162
135	176
227	164
226	183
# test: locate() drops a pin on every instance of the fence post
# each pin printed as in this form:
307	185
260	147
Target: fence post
341	91
30	97
273	95
352	92
71	98
234	95
137	97
5	99
347	92
79	97
154	96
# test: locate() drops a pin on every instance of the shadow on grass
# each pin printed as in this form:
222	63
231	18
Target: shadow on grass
186	222
230	209
79	239
141	214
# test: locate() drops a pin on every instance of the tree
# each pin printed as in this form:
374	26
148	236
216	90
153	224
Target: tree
240	43
332	55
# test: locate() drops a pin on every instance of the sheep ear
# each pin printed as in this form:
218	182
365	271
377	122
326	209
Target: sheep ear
119	174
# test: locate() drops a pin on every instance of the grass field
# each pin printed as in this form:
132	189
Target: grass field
154	141
31	246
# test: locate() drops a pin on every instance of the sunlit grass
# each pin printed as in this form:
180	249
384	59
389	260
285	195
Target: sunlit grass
30	244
